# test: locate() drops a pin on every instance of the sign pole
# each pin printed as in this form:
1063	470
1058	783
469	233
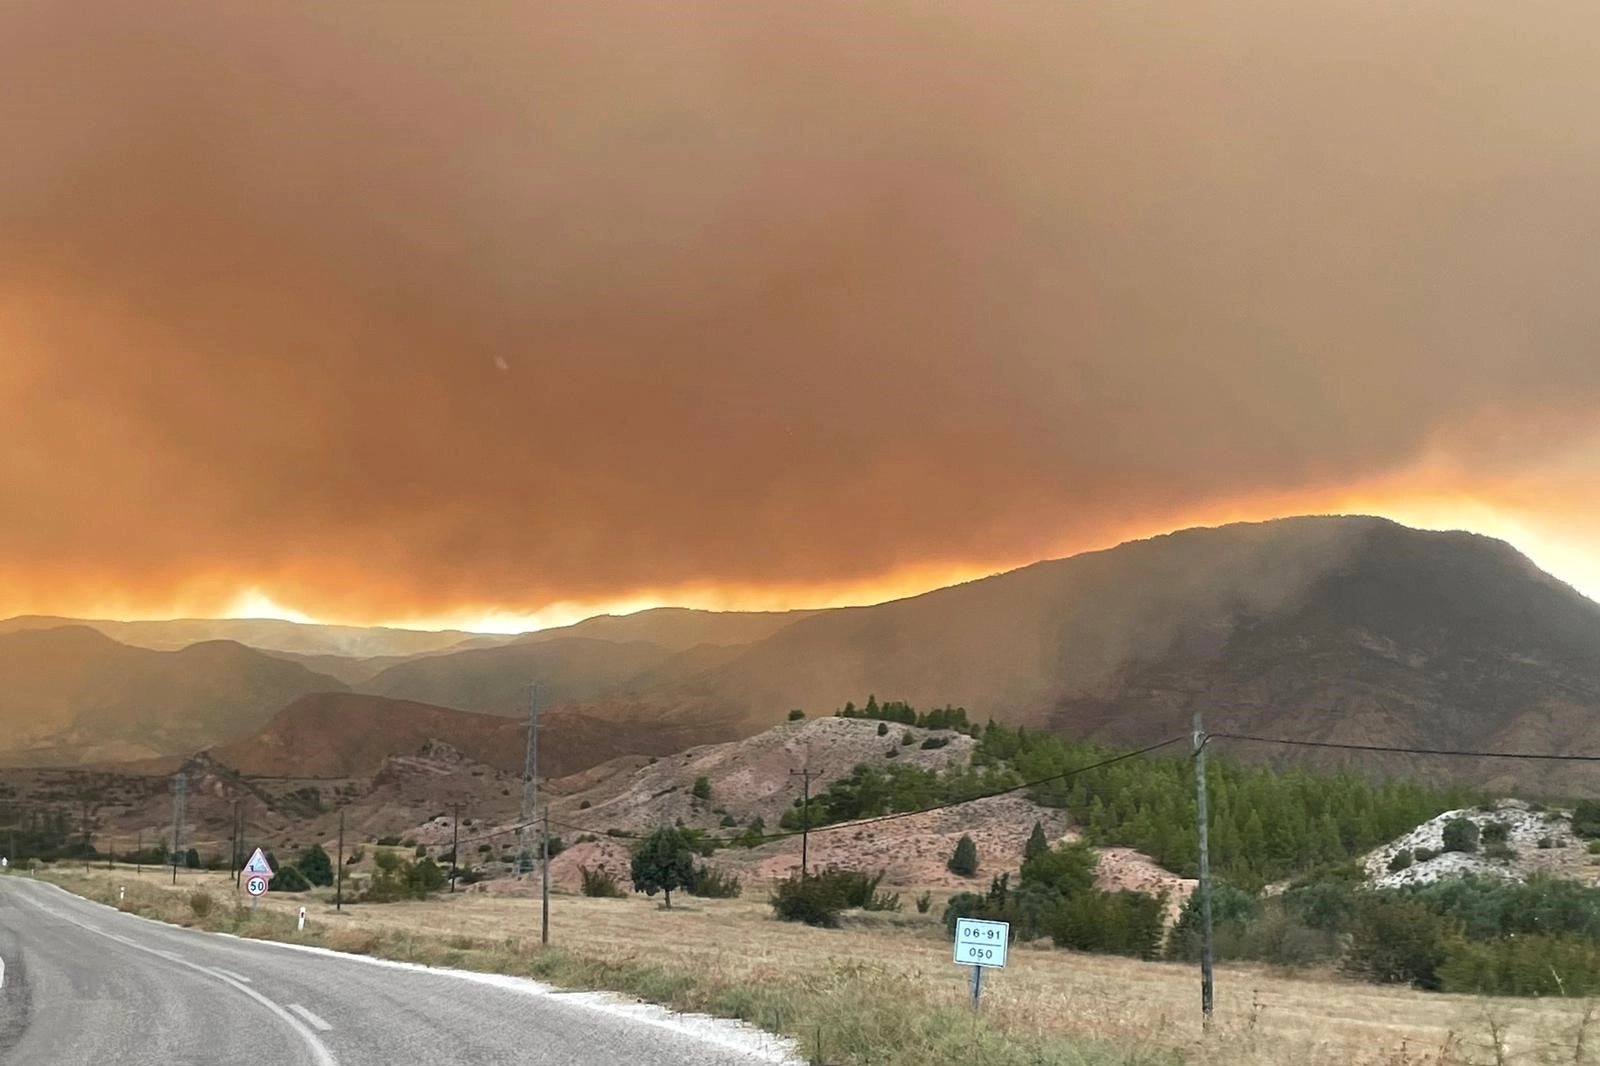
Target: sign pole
977	985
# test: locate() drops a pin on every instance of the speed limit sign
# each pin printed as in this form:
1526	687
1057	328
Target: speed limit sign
256	885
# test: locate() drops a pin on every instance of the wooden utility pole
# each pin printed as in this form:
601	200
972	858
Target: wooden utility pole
1203	822
138	856
805	816
338	892
544	863
455	843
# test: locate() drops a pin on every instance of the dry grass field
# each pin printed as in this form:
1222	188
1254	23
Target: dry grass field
884	991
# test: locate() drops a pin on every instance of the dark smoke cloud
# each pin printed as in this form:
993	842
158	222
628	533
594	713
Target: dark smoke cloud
396	307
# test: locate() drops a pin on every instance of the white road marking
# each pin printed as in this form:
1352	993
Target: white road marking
319	1051
316	1023
2	973
241	978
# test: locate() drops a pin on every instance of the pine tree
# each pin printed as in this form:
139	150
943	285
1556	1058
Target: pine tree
1037	844
964	860
316	865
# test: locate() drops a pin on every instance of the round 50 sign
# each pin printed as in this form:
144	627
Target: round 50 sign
256	885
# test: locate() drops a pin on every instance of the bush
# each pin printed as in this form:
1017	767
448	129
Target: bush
796	714
399	879
600	883
924	902
1232	910
820	898
200	903
388	842
420	851
883	729
728	821
1396	941
191	859
906	739
1461	834
1500	852
931	743
584	805
289	879
1116	923
1545	844
1425	854
964	860
1586	818
1525	966
1401	860
714	884
315	864
1495	833
701	789
805	899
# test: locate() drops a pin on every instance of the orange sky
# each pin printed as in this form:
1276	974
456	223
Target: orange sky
371	311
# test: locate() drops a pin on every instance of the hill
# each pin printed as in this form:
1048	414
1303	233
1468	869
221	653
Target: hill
495	680
265	634
351	735
676	628
1331	628
73	695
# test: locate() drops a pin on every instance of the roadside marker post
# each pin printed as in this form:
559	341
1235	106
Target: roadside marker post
981	945
302	924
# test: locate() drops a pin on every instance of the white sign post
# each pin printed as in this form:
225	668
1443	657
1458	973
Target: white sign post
981	945
257	873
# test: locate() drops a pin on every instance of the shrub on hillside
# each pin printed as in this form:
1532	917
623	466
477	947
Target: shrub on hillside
1496	832
1536	965
1500	852
1586	818
1400	861
315	864
931	743
924	902
398	879
1037	843
1461	834
701	789
600	883
796	714
1114	923
883	729
201	903
1425	854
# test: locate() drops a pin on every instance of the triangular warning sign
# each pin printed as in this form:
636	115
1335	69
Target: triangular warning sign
258	865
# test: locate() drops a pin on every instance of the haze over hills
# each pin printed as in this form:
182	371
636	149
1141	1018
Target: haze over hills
1314	628
72	694
266	634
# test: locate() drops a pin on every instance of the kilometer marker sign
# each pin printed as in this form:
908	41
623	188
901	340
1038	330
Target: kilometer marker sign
981	945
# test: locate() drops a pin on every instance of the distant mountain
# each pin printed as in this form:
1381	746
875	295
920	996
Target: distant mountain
72	695
348	735
1331	628
495	680
676	628
266	634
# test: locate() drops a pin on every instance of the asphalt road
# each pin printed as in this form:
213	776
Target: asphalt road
85	985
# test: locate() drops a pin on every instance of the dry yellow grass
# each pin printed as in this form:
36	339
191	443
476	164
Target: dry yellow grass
1146	1012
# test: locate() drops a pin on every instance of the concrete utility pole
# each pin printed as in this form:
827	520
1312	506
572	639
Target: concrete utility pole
138	856
233	845
1203	819
180	788
530	782
805	816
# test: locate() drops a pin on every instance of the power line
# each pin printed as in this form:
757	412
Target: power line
1398	750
